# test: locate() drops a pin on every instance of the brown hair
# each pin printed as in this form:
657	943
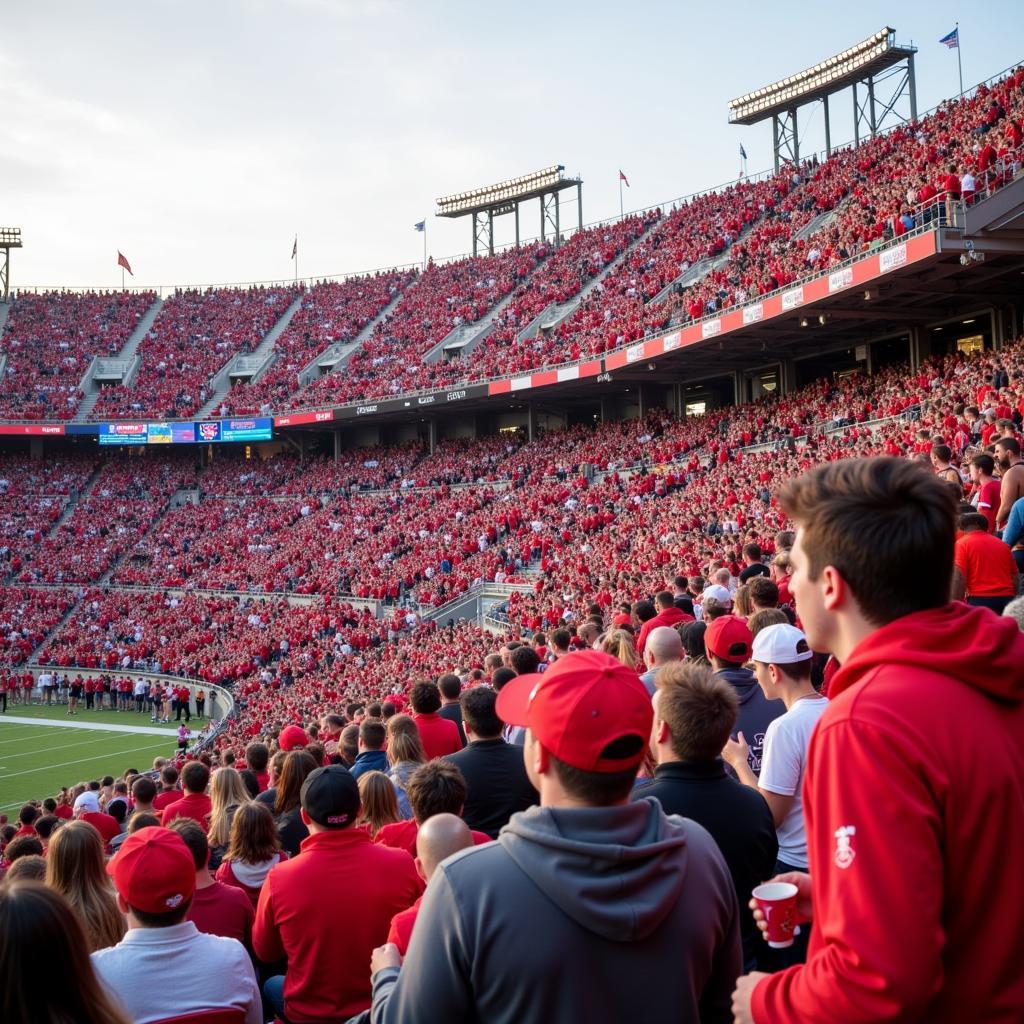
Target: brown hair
436	787
37	930
764	618
226	794
699	709
254	837
886	525
763	591
75	869
297	765
378	801
404	742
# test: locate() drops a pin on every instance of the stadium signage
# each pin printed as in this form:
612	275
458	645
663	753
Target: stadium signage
840	279
455	396
296	419
673	341
32	429
426	400
710	328
634	353
366	410
893	258
208	432
753	313
792	298
409	403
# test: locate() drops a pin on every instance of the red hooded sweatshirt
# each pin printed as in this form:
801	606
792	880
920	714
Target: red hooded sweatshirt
914	807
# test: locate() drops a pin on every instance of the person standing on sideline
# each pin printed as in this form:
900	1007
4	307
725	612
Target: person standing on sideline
913	892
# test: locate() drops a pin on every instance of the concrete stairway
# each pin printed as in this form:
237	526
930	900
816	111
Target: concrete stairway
249	365
5	308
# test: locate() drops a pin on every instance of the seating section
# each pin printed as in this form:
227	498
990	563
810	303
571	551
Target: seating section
49	341
192	338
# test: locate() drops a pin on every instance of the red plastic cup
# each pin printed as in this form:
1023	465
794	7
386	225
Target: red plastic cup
777	901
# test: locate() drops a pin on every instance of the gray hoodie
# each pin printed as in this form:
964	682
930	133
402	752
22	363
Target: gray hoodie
574	914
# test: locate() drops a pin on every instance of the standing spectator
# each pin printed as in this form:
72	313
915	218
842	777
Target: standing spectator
405	755
664	647
643	902
497	785
441	837
377	801
298	764
143	795
216	909
372	738
438	735
227	794
985	572
1011	476
694	714
926	691
169	792
38	930
256	757
986	497
254	849
195	777
200	702
450	687
728	642
754	566
328	908
667	615
155	876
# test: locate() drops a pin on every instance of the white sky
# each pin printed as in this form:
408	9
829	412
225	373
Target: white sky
198	136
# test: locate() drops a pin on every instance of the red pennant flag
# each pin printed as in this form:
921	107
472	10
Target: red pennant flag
622	177
123	262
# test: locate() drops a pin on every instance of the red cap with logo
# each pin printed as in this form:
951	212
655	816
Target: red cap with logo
622	619
154	870
729	638
579	707
292	737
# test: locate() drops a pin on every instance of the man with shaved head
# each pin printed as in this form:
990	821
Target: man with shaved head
664	647
438	838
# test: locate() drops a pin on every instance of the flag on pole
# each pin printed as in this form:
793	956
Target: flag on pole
743	152
421	226
295	247
123	262
622	177
952	40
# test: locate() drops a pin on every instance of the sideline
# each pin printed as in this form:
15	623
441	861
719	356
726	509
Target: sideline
144	730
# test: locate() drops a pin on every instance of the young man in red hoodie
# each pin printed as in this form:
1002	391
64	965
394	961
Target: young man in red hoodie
912	795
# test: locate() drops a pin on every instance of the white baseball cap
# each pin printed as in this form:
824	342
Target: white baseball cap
781	644
87	802
718	592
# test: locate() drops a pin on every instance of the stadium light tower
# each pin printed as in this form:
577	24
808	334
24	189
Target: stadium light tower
882	70
10	238
484	204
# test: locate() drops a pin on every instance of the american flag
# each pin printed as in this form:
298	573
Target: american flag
952	40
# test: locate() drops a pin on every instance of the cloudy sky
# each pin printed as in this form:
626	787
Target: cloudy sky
199	136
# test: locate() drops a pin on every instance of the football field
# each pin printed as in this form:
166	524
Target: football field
42	749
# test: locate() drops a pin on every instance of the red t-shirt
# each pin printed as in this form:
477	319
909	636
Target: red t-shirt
221	909
166	798
439	736
192	805
401	927
987	565
988	502
105	824
402	836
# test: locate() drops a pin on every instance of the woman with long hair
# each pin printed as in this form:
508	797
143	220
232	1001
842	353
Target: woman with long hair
38	933
254	849
619	644
227	793
405	755
287	800
75	868
378	802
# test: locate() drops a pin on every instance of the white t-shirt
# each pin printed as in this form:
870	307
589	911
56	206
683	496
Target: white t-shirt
782	771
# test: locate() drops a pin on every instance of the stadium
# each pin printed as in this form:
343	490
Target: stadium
275	558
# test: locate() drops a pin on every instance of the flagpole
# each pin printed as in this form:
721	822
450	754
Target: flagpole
621	213
424	245
296	249
959	60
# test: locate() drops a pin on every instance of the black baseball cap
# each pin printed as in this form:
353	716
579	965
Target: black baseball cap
330	796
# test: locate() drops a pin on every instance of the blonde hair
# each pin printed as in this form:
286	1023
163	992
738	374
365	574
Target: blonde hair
379	803
619	644
742	604
404	741
75	869
227	793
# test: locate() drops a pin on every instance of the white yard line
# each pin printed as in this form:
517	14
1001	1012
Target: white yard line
81	760
49	749
170	732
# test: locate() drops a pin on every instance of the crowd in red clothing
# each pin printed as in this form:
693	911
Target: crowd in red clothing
49	341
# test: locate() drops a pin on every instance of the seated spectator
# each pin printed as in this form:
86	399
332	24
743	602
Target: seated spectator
694	713
327	909
436	787
985	572
87	808
216	908
667	615
21	846
75	869
154	875
655	941
227	794
143	796
497	785
26	820
378	803
438	735
298	764
37	930
450	687
256	757
728	641
195	804
169	792
372	738
30	868
254	849
440	837
664	647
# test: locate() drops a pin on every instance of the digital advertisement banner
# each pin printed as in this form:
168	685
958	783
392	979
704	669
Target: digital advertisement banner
214	431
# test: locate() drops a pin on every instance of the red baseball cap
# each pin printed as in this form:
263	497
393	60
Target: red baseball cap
622	619
581	704
729	638
292	737
154	870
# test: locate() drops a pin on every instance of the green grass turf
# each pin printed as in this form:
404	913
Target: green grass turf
106	717
36	760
